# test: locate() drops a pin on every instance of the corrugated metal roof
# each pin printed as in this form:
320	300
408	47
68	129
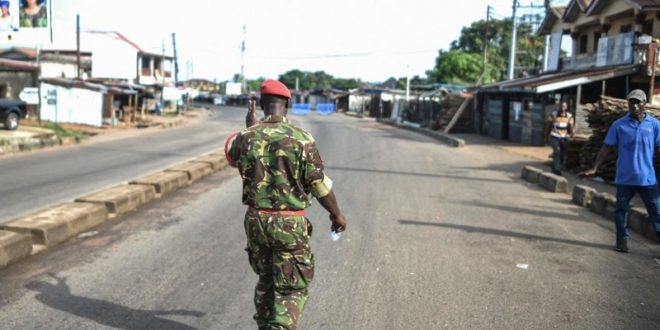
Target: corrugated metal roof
98	87
645	4
559	80
18	65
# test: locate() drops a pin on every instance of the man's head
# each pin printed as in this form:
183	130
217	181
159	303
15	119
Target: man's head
636	103
275	98
563	107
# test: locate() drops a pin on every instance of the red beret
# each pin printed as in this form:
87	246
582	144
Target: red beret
275	87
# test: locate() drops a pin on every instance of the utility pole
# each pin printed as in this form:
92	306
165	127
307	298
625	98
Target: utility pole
485	54
512	52
78	46
176	61
243	87
176	73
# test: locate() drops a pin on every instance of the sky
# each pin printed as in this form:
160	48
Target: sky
367	39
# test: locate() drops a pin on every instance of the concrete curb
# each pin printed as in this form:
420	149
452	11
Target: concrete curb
57	224
531	174
195	171
39	143
216	161
51	226
122	198
553	182
582	195
164	182
14	247
603	204
547	180
444	138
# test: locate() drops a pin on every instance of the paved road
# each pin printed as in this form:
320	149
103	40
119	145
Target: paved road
437	238
34	180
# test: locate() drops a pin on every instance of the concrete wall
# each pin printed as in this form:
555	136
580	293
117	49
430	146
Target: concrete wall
71	105
16	81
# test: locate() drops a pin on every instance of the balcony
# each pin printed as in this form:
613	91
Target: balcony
648	57
580	62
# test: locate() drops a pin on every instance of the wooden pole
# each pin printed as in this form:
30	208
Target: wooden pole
458	114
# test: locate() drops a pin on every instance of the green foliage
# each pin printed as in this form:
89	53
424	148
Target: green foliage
61	131
467	53
316	80
457	67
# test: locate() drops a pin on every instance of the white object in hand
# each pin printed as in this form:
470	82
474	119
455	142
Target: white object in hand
335	235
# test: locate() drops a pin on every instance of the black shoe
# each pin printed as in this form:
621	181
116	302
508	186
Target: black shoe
621	245
556	172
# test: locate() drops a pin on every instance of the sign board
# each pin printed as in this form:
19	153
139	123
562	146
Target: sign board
616	50
29	95
554	51
25	21
233	88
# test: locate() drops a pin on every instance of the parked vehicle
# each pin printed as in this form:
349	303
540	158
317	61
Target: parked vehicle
11	112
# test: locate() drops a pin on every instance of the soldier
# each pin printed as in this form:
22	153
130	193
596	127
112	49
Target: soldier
280	167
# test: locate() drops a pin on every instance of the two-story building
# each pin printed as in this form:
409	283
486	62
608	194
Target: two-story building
613	49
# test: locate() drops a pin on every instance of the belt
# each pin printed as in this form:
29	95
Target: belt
276	212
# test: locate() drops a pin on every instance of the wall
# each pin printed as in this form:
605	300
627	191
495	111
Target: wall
112	58
71	105
55	70
16	81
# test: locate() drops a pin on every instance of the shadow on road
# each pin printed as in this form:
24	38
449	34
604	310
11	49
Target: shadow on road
58	296
539	213
506	233
427	175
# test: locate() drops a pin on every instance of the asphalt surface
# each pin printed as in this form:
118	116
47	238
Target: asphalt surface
34	180
438	238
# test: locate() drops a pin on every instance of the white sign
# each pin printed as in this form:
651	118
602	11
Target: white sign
29	95
233	88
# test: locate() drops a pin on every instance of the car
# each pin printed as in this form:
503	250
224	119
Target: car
11	113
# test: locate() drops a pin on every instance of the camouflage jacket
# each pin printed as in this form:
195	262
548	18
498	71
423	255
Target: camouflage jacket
279	164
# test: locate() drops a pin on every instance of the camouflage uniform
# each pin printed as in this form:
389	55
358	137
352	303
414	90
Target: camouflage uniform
280	167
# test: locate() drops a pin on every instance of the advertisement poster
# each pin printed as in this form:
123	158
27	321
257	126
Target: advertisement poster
25	22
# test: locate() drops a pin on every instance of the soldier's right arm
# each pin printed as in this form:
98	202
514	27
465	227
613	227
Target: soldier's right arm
320	186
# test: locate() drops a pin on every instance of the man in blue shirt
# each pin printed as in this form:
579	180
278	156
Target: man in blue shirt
636	136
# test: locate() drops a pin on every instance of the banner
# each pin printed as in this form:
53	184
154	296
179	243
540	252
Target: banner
25	21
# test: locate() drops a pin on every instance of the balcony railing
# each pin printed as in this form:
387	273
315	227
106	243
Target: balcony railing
580	62
648	57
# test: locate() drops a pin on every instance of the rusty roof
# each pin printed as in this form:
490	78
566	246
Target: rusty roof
14	65
559	80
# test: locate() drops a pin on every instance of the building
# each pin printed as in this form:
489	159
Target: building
614	48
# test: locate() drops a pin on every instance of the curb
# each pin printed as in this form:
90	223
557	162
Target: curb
603	204
51	226
40	143
442	137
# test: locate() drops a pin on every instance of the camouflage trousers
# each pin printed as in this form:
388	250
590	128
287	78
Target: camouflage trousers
279	252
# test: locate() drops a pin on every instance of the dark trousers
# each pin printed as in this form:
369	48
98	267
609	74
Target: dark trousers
650	196
558	153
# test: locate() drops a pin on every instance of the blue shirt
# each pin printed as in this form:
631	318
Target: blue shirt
636	142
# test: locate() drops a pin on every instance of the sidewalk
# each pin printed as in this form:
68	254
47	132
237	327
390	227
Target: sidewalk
540	157
30	136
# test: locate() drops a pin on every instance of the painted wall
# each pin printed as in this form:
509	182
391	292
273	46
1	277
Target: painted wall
71	105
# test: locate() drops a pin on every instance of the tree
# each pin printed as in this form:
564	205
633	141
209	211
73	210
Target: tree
315	80
456	67
497	34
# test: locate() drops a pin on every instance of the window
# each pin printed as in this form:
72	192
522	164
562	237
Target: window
596	37
3	91
647	27
146	66
626	28
582	44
